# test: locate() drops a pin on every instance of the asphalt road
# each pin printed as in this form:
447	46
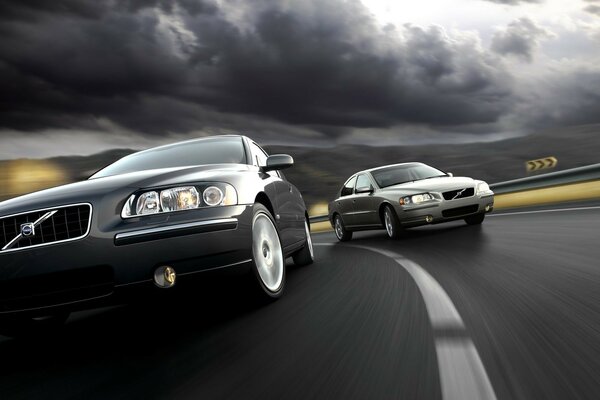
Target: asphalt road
508	310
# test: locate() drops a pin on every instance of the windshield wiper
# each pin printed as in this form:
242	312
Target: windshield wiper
436	176
397	183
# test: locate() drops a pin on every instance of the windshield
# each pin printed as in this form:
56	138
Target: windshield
397	174
220	150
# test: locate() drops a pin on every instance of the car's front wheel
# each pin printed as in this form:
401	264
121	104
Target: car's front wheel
391	222
267	252
305	256
341	232
476	219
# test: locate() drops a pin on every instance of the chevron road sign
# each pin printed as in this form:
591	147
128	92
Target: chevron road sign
542	163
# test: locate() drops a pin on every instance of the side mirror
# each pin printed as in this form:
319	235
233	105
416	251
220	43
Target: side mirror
364	189
278	162
450	174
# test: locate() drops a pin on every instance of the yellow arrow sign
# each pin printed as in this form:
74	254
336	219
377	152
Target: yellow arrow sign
541	163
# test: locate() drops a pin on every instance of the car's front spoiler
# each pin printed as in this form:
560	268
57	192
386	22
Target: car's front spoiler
433	213
109	265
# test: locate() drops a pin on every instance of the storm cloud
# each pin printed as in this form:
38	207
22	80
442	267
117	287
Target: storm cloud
593	7
521	38
303	69
174	66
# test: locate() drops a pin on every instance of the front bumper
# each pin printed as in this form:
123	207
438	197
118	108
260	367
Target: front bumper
439	211
119	256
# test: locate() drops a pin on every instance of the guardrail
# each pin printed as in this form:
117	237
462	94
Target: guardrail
319	218
574	175
560	178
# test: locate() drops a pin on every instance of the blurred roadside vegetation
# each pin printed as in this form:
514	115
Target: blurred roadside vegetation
319	172
23	176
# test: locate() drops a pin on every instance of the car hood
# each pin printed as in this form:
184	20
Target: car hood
123	185
433	185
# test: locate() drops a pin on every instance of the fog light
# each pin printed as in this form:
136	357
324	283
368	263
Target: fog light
428	218
165	277
487	208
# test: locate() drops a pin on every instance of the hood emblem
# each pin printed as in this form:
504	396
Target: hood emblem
458	194
28	229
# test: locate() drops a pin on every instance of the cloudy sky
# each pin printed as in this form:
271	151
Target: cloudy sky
81	76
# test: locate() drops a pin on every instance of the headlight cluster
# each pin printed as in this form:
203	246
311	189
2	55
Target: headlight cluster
415	199
482	187
179	198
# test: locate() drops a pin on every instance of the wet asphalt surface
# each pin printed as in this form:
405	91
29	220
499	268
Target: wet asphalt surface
352	325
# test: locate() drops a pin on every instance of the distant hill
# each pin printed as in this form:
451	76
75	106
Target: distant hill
319	172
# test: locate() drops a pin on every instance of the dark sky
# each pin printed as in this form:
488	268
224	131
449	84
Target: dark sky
111	73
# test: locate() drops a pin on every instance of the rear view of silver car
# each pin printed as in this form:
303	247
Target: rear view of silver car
406	195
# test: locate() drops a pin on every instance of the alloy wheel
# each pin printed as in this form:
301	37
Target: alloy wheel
389	227
267	251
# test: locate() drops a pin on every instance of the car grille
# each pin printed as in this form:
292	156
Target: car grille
458	194
455	212
67	223
56	288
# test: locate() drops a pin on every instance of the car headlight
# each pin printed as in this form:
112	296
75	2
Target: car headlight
148	203
483	187
213	196
179	199
416	199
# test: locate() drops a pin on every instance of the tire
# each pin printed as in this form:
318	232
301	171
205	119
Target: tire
30	327
267	255
341	232
306	256
476	219
391	223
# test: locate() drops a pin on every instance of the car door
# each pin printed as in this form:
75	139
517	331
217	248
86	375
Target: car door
364	203
289	215
345	203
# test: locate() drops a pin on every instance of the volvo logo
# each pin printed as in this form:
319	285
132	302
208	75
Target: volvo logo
458	194
28	229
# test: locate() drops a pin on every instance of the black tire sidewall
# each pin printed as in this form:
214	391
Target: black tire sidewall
303	256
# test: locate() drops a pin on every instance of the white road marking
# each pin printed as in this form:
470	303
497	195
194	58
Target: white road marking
441	310
546	211
462	374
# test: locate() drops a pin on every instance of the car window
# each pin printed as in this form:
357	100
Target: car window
259	158
219	150
363	181
398	174
348	188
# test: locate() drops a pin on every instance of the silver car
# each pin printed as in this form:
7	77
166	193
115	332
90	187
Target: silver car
399	196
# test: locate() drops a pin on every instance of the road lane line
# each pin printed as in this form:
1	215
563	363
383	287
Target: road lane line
546	211
441	310
462	375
